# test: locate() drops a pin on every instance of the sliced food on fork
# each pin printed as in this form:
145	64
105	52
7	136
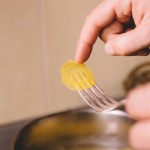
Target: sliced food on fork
80	78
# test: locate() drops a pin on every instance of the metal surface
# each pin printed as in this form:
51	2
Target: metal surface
81	129
98	100
8	134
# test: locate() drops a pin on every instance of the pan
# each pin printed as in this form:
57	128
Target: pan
78	129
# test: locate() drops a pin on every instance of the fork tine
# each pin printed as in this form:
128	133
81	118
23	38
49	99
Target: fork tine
95	98
106	96
97	105
89	101
101	96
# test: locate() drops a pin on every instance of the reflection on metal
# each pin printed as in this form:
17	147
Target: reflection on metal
81	129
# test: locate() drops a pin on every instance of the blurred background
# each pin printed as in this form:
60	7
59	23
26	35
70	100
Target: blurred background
36	38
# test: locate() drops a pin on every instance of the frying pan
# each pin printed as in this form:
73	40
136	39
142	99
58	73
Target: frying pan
78	129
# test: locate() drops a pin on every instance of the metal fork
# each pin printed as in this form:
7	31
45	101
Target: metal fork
98	100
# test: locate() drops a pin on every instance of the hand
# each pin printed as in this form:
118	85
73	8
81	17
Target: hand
138	105
123	24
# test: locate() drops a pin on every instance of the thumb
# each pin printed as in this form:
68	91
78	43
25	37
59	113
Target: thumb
129	42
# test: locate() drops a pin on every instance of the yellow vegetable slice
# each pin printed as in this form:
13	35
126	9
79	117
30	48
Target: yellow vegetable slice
77	76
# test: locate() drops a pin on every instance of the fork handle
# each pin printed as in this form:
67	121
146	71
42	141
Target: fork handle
120	105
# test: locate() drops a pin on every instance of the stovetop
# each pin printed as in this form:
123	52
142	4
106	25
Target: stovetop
8	134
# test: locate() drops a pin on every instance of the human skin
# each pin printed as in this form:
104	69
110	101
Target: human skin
138	106
124	25
112	21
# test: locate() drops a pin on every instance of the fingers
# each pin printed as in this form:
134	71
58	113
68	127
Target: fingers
140	135
143	52
93	25
138	106
124	43
111	31
127	43
138	102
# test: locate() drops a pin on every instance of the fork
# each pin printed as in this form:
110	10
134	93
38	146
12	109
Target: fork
98	100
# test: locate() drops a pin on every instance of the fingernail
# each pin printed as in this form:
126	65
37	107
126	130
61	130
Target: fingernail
109	49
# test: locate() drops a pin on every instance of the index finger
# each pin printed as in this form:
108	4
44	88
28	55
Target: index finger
100	17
